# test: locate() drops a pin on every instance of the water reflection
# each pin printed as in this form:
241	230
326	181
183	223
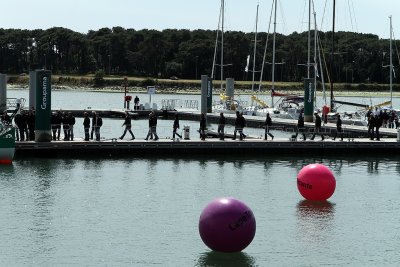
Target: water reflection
45	176
238	164
307	209
336	166
6	171
213	258
373	166
315	220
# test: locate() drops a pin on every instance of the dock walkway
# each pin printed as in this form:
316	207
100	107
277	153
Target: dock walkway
286	125
211	146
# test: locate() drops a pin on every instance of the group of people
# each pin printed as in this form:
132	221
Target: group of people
317	127
97	122
380	119
240	123
65	121
24	121
387	119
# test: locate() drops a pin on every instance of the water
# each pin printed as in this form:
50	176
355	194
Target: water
145	211
73	99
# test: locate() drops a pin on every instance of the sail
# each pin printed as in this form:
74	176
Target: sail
247	64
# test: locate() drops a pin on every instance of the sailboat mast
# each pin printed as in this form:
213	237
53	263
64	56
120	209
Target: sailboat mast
222	41
315	57
309	40
216	43
273	55
255	50
391	63
265	48
333	49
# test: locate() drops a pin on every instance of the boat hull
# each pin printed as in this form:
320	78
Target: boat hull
7	145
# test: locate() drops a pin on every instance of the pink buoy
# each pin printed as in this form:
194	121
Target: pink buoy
227	225
316	182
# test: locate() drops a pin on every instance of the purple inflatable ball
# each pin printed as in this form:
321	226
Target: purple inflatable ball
227	225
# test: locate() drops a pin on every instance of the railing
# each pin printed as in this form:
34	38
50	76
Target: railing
172	104
15	103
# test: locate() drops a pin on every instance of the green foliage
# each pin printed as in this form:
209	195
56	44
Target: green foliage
188	54
98	79
147	82
173	69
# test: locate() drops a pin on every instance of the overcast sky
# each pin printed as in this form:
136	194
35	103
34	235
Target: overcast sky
363	16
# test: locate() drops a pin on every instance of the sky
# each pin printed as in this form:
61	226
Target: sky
362	16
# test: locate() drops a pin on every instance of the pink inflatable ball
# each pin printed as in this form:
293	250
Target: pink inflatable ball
227	225
316	182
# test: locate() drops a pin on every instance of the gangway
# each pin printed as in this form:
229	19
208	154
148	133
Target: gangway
15	104
259	101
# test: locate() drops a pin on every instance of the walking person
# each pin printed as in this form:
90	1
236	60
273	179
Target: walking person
128	126
237	125
317	127
86	125
71	121
98	122
53	125
58	122
391	119
241	124
371	126
136	103
93	123
385	119
65	123
378	124
175	127
268	124
149	134
30	120
300	127
24	114
19	121
202	127
221	126
152	127
338	128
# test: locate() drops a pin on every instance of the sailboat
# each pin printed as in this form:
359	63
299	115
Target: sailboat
359	117
289	106
227	103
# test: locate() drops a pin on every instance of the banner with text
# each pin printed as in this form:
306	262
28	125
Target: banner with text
308	99
43	100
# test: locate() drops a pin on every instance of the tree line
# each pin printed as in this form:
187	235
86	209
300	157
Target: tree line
358	58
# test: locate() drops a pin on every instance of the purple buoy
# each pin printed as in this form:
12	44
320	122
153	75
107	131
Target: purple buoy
227	225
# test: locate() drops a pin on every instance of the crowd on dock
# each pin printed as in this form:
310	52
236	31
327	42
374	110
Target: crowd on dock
24	121
381	118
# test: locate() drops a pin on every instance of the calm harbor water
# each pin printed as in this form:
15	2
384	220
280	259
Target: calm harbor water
145	211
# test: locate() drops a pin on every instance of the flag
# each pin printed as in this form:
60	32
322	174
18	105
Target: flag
316	70
247	65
